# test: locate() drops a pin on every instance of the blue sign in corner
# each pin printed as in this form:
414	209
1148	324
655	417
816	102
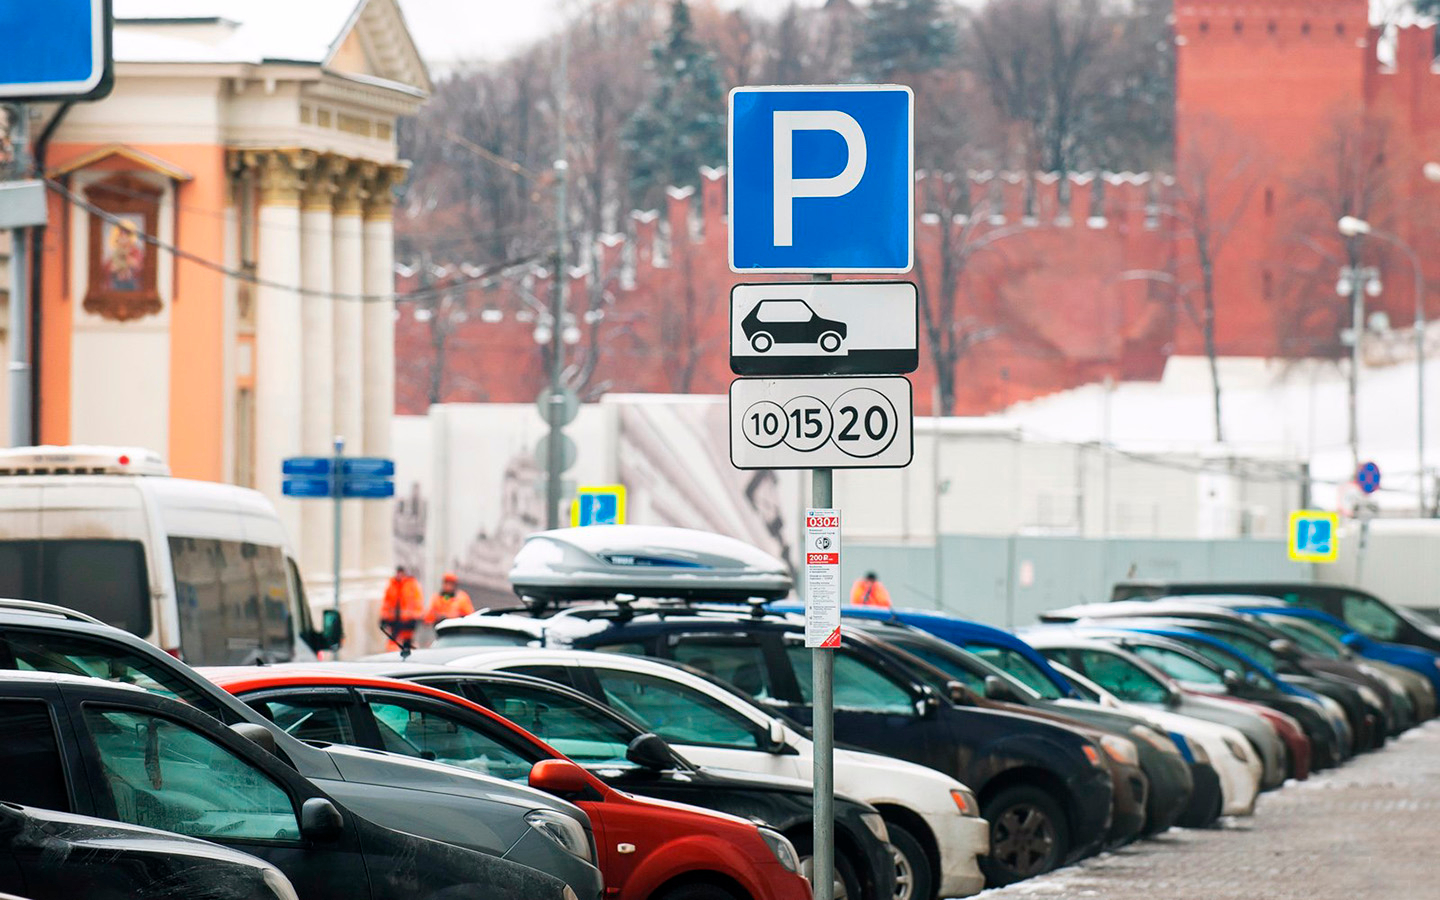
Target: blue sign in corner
55	50
822	179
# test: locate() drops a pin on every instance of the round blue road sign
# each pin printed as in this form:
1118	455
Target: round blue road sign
1368	477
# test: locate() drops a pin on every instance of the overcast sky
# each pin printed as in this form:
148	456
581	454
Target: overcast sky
457	30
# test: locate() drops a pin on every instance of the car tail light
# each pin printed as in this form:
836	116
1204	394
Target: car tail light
175	652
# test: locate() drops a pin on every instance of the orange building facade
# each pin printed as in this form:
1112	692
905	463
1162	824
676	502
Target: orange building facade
1290	114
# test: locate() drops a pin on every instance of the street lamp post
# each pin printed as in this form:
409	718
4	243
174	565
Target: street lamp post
1350	226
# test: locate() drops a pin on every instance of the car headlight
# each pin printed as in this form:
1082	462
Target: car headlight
1198	751
279	884
1236	749
561	829
966	802
1121	750
567	893
1155	739
876	823
784	851
1367	693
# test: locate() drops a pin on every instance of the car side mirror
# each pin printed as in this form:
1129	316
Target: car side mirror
559	776
997	688
776	736
649	751
926	703
957	693
332	628
1284	648
320	820
1173	697
1233	681
256	734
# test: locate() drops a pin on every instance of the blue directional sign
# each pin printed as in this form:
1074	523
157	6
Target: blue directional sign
1368	477
599	505
55	50
822	179
306	486
367	488
306	465
368	466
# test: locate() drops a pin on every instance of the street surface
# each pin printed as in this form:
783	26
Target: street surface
1366	831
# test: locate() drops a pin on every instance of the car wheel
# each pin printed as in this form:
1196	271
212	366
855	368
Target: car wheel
913	880
1028	835
696	890
761	341
847	883
829	342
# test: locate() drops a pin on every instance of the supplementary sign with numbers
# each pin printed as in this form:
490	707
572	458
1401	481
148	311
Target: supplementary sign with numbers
1313	536
822	578
826	328
822	179
821	423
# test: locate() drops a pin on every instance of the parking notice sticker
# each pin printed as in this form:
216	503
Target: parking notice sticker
822	578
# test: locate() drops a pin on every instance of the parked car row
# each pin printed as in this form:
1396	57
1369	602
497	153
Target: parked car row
639	731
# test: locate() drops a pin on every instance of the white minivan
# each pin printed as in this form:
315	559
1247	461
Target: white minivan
200	569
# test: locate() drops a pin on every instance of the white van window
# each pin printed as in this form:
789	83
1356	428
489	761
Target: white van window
233	600
103	578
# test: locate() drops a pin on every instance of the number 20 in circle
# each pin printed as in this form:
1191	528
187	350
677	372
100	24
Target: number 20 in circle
865	422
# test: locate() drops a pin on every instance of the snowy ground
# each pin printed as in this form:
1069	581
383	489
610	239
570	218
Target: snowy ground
1367	831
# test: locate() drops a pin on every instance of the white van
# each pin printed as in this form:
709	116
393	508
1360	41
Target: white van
200	569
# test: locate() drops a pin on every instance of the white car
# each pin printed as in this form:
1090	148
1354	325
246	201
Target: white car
1230	754
933	820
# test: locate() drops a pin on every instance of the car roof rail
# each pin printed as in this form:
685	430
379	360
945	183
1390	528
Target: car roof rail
35	606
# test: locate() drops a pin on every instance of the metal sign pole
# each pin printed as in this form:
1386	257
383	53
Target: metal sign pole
20	373
822	677
337	476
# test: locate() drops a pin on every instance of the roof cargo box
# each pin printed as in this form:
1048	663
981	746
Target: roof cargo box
600	562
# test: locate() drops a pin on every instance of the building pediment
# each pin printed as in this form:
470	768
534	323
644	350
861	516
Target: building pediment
376	44
120	158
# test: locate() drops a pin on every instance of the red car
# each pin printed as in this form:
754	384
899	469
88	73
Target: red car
649	849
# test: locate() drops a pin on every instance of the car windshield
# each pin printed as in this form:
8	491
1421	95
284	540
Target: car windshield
470	636
1017	666
1310	639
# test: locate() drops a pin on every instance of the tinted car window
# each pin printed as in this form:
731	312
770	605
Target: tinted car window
309	719
1308	640
740	663
33	774
584	734
1178	665
557	674
949	666
1018	666
858	685
76	655
1122	678
675	712
105	579
418	729
161	774
479	637
233	600
1371	618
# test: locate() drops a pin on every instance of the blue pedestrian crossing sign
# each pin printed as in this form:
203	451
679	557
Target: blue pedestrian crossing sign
822	179
1314	536
598	505
56	50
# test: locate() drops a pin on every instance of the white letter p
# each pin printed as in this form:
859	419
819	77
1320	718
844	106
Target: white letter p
788	187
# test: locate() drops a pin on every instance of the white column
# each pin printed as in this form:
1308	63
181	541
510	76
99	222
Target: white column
317	270
278	323
349	336
379	350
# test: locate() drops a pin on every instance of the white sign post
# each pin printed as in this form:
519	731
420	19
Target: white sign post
822	578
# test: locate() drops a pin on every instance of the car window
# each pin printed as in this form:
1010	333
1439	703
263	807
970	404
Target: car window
1230	661
1309	641
784	311
1015	663
309	719
629	648
415	728
1178	665
233	599
39	651
480	637
1122	678
738	662
1249	646
858	685
585	734
107	579
163	774
945	663
557	674
1370	617
33	774
679	714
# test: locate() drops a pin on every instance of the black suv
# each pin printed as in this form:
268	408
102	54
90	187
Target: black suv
1044	788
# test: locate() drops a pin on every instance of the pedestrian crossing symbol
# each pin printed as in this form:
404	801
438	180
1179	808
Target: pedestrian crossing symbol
1314	536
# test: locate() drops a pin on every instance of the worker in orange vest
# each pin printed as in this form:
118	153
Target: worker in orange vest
401	610
450	603
868	591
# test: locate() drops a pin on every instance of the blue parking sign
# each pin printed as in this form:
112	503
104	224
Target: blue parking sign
1314	536
822	179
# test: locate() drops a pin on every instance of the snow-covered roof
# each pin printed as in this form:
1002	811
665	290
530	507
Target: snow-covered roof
266	31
